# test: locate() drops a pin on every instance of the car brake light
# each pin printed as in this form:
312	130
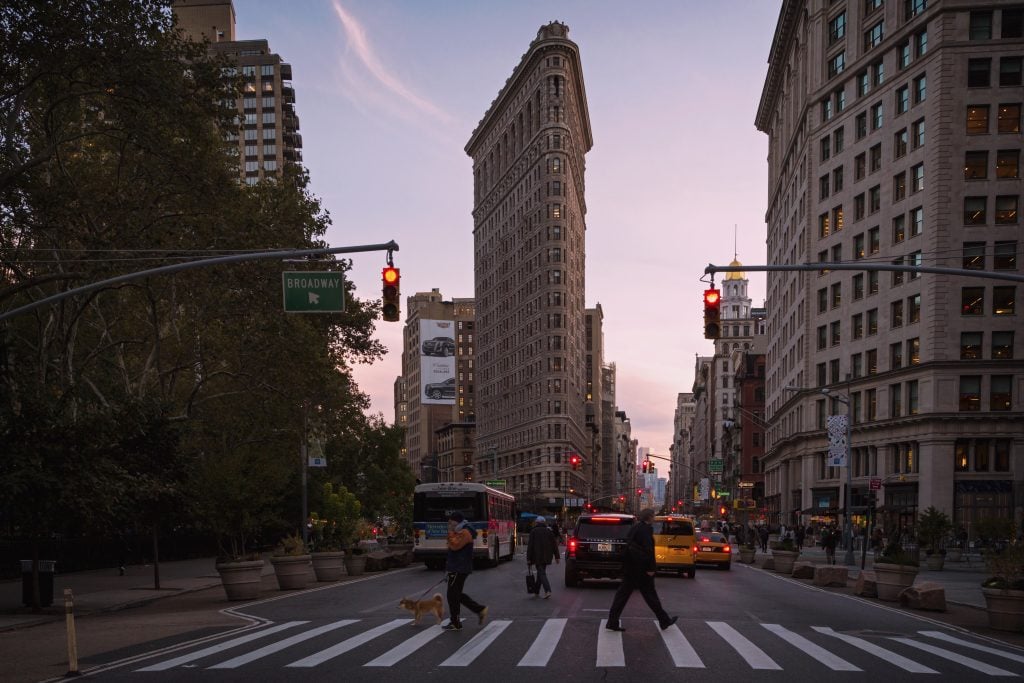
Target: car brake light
606	520
572	547
704	540
726	549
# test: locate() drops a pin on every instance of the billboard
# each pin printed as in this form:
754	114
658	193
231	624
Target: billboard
437	362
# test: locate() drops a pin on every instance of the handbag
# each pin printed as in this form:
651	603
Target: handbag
531	581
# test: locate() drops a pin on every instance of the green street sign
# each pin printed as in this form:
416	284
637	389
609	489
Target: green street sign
313	292
715	466
496	483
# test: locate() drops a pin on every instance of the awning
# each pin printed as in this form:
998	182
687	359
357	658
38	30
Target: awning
821	511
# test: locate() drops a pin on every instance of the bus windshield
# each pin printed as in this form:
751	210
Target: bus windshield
436	506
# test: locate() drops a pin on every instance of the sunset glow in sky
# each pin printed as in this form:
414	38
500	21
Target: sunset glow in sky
388	93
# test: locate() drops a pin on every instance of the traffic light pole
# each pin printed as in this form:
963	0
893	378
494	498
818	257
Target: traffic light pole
389	247
829	265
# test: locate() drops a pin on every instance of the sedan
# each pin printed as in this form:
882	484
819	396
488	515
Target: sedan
713	548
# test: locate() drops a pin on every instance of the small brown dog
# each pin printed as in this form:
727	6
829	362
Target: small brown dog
421	607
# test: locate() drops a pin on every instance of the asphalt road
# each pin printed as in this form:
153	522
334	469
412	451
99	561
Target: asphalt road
738	624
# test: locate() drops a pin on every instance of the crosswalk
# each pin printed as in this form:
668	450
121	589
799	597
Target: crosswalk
531	642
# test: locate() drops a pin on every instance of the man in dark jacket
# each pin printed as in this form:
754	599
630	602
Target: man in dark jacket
459	565
540	548
639	569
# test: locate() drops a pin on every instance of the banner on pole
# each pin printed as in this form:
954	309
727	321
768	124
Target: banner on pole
837	445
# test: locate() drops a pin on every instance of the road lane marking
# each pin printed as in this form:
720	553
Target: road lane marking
471	650
880	652
346	645
609	647
753	655
399	653
214	649
975	664
974	646
679	647
281	645
544	644
812	649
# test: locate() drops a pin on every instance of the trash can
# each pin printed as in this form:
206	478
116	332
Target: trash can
46	568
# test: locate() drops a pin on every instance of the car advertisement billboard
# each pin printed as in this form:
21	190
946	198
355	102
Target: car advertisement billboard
437	362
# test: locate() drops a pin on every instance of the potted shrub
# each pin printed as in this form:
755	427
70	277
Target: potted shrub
355	556
1004	588
895	569
340	513
785	553
933	526
747	553
291	563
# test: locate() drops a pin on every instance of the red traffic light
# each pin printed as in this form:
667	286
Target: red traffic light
390	302
712	297
712	314
574	461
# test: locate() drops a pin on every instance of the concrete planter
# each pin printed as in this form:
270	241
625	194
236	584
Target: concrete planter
1005	608
241	580
892	579
747	555
954	554
328	565
784	560
355	565
935	562
292	571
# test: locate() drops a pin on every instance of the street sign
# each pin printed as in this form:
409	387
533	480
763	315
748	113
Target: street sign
496	483
313	292
317	461
716	466
876	484
746	484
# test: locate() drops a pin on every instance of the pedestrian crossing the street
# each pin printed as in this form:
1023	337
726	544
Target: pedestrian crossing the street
532	643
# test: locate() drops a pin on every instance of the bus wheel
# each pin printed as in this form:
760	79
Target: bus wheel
496	555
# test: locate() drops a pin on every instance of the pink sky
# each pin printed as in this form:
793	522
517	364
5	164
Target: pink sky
389	92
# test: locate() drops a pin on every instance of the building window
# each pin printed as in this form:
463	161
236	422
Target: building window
916	178
877	116
902	100
858	287
856	365
858	247
972	301
836	294
911	8
916	221
873	282
822	337
1013	23
981	26
863	84
857	326
1006	209
823	225
896	312
873	36
837	179
858	207
823	187
895	400
874	244
912	398
878	73
875	158
870	405
899	229
822	374
917	134
833	370
914	258
970	345
860	166
837	28
903	55
914	351
970	393
860	125
837	218
836	64
973	256
921	42
899	144
979	73
874	199
873	322
871	361
977	119
913	309
1004	256
1002	345
1008	163
1008	120
896	356
1010	71
974	210
834	334
976	165
1000	389
1003	300
826	148
920	89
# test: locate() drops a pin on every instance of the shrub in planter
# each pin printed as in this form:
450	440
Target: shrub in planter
895	569
933	526
291	563
1004	588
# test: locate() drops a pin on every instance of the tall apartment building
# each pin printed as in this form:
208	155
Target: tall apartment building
894	137
593	469
269	138
681	467
529	229
438	381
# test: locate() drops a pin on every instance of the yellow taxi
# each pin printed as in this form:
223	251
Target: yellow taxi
675	544
713	548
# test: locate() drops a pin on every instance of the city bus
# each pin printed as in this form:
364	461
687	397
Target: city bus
492	513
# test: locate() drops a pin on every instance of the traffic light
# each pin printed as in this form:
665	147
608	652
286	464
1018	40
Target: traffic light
574	460
390	307
645	465
712	313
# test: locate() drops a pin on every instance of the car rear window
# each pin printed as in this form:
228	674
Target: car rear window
613	530
673	528
714	537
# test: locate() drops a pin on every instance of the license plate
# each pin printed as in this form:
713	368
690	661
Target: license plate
604	547
706	548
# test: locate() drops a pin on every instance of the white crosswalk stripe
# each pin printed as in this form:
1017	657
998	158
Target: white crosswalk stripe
880	652
953	657
220	647
752	654
544	644
683	654
974	646
812	649
688	644
350	644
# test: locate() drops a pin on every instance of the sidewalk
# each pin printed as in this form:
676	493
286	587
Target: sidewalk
962	580
104	590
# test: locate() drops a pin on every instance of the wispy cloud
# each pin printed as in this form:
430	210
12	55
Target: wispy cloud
360	46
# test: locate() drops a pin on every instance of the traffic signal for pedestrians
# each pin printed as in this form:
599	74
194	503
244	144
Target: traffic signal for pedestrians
390	307
712	313
574	460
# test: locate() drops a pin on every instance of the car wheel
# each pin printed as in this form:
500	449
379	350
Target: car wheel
572	579
727	566
435	394
692	573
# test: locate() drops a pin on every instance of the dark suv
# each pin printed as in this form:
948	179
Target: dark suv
597	547
438	346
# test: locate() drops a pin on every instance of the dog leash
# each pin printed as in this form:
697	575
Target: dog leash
432	587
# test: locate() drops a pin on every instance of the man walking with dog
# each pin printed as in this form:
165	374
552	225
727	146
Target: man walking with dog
459	565
540	549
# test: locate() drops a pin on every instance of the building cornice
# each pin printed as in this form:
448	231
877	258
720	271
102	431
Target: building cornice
784	30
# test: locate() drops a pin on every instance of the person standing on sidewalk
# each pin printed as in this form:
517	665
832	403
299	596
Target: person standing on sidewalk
540	549
639	569
828	542
459	565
